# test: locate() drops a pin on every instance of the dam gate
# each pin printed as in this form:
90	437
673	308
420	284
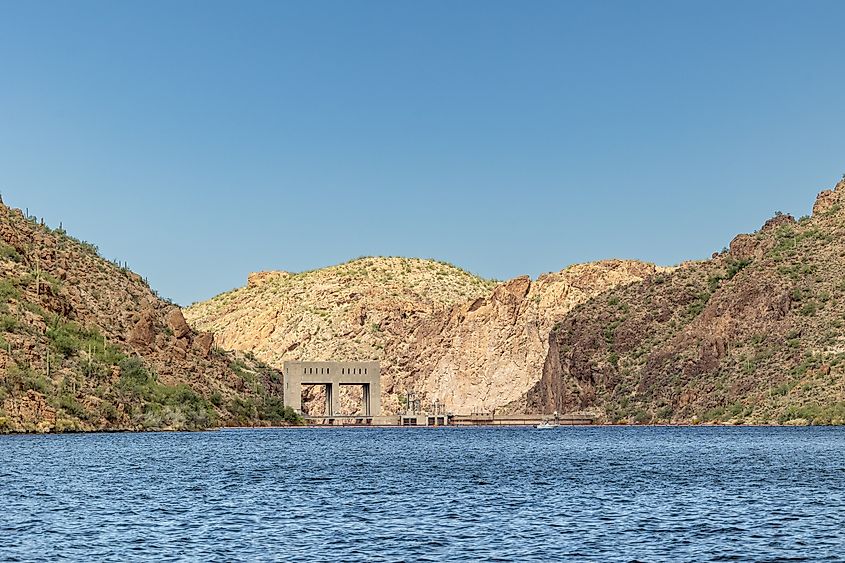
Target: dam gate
332	375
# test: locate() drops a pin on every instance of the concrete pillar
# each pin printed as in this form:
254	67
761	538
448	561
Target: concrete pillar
374	393
365	401
330	399
293	388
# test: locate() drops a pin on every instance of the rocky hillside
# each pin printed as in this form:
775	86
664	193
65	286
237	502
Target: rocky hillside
446	334
343	312
754	334
482	355
86	345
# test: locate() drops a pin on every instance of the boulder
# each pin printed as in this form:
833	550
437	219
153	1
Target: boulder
180	348
778	220
177	324
143	333
203	344
824	201
743	247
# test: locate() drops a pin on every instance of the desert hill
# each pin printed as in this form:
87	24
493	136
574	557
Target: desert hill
471	343
756	334
85	344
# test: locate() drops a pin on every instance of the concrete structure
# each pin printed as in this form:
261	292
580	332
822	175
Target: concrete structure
332	375
491	419
423	419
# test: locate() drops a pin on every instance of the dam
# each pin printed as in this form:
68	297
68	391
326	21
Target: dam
332	375
367	375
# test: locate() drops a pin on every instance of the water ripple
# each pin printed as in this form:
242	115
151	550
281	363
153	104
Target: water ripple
585	494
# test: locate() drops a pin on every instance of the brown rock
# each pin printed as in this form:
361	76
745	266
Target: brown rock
203	344
743	247
518	287
143	333
180	348
260	278
177	324
778	221
825	200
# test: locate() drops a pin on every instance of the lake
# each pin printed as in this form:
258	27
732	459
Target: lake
402	494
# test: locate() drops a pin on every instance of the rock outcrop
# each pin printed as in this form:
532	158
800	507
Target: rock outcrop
483	355
828	198
450	336
752	335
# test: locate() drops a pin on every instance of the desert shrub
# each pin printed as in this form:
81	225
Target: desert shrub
107	410
195	410
698	304
71	406
809	309
135	379
243	409
275	410
736	266
70	338
63	341
665	412
641	416
609	331
163	406
716	414
21	379
8	252
8	323
810	413
8	291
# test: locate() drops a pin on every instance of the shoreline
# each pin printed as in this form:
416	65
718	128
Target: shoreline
386	426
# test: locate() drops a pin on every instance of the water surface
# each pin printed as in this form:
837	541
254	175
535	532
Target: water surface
460	494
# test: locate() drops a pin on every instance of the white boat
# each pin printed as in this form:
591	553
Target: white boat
547	424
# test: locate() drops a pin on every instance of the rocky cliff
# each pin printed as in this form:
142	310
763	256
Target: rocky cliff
471	343
754	334
483	354
85	344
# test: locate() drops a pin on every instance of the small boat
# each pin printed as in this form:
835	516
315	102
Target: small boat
547	424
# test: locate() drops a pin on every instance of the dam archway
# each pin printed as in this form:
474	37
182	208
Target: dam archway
332	375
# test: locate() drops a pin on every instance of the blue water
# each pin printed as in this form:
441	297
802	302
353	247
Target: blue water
460	494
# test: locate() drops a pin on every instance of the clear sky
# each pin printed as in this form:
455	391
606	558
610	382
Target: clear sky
202	140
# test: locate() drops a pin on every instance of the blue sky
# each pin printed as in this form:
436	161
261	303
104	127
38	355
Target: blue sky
203	140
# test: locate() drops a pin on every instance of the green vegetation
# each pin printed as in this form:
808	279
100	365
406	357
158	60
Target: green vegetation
736	266
8	252
698	304
788	239
246	410
8	291
162	406
8	323
610	330
274	410
815	414
21	379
